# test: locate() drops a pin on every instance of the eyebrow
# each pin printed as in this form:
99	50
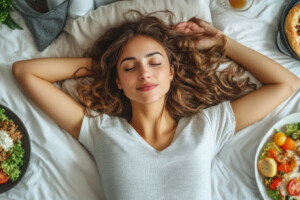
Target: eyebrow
147	55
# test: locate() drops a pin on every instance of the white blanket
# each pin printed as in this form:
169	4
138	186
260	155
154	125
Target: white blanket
60	168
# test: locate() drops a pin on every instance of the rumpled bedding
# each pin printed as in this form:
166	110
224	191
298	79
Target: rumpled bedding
61	168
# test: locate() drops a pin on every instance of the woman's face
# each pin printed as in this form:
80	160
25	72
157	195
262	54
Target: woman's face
144	72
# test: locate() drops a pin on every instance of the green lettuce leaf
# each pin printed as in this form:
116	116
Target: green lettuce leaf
2	115
270	145
274	194
11	166
291	128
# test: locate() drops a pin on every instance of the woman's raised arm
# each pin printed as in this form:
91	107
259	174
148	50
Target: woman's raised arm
278	82
37	76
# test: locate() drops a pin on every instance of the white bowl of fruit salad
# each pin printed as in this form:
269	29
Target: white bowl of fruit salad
277	160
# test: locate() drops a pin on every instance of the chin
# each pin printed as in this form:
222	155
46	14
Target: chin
149	100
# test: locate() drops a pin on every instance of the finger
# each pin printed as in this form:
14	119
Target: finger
181	25
179	28
196	28
208	28
189	27
200	22
184	30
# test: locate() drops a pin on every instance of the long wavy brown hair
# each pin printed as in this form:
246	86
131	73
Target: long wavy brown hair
197	82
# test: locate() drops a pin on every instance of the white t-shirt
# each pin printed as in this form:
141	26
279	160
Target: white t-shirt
131	169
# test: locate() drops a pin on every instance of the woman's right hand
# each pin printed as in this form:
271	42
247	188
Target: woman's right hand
209	36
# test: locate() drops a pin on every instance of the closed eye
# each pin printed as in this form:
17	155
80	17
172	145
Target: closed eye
155	64
128	69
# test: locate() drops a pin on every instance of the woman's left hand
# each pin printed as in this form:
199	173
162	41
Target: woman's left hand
209	36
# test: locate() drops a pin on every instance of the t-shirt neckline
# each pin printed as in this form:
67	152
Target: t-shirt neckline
134	133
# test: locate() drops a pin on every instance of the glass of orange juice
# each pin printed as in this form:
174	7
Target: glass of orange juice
238	5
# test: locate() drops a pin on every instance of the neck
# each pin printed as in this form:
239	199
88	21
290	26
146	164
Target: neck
152	121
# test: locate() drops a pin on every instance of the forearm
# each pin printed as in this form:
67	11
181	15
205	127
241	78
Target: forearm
279	84
264	69
36	78
51	69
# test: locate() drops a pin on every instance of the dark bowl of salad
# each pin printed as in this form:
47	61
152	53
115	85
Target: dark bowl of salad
14	149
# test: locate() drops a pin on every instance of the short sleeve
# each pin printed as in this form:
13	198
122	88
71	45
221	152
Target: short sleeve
222	122
87	134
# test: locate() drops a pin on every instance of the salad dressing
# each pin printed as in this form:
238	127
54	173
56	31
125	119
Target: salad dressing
5	141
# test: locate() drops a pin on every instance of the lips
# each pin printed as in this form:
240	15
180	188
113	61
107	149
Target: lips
147	87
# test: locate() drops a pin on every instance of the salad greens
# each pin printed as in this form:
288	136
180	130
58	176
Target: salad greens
270	145
3	116
293	130
11	166
274	194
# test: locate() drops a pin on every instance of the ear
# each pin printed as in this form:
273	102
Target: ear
119	83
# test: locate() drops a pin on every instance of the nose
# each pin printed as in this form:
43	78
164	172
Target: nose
144	72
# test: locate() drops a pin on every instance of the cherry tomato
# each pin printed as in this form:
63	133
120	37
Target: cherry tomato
3	177
273	153
275	183
286	168
293	187
279	138
289	144
279	157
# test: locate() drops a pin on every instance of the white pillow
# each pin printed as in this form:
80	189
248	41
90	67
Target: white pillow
79	34
102	2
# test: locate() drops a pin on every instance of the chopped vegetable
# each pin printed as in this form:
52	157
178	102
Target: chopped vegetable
279	157
11	165
268	181
275	183
286	168
2	115
279	138
274	194
3	177
270	145
289	144
294	187
292	128
296	135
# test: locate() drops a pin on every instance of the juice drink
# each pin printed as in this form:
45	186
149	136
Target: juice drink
237	3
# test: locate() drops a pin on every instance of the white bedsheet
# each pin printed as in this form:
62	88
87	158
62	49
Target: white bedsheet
60	168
